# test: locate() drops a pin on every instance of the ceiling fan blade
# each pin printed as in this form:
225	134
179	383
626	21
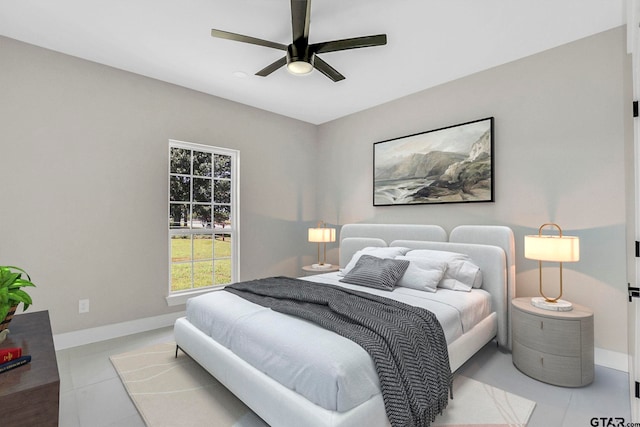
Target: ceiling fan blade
300	13
327	69
271	68
246	39
353	43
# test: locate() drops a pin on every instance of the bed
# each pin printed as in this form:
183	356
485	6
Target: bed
313	377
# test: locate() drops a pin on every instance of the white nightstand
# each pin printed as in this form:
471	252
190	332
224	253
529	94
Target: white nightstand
555	347
309	270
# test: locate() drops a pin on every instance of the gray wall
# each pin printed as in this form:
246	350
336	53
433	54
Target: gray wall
560	143
83	173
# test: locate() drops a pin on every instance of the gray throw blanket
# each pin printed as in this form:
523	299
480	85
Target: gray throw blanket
406	343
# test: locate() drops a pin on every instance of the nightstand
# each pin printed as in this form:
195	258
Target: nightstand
30	394
309	270
555	347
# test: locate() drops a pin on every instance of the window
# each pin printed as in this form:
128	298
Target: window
203	213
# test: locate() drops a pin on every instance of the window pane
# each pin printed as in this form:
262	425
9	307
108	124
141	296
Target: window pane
180	249
202	190
178	215
222	166
179	188
203	247
222	271
221	215
202	274
180	160
201	216
222	191
222	248
201	163
180	277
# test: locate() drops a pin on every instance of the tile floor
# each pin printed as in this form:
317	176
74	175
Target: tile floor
91	394
607	396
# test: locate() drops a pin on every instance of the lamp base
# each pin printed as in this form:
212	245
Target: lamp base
560	305
324	266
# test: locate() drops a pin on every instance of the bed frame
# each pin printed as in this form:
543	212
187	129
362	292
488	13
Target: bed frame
490	247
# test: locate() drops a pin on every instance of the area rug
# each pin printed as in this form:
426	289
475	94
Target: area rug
173	392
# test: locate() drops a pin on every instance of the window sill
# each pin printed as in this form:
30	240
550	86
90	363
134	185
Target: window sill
181	298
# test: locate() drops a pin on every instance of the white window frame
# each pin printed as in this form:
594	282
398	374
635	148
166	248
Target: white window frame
180	297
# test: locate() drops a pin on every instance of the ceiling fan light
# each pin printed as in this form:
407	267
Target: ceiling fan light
299	67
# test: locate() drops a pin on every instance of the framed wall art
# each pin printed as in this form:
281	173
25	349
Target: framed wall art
448	165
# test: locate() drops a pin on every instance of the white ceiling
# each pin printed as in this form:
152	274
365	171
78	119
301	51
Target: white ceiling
429	42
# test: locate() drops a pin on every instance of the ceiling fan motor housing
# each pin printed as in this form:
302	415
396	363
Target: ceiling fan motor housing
299	60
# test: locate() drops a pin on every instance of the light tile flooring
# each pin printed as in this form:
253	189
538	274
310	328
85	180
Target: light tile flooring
91	394
607	396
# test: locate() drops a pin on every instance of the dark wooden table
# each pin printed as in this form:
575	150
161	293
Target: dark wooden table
30	394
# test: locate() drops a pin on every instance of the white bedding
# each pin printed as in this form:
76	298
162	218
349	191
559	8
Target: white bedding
316	369
457	311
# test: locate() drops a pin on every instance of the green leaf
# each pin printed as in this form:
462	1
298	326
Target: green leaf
19	269
20	283
20	296
4	309
8	279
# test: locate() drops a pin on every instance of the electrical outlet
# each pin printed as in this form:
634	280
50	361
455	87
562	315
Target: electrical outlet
83	306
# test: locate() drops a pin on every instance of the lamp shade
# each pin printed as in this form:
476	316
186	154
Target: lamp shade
322	235
552	248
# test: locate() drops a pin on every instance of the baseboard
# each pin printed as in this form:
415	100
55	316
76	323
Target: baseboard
612	359
115	330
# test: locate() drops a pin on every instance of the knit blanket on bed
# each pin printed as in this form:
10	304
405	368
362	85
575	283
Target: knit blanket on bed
406	343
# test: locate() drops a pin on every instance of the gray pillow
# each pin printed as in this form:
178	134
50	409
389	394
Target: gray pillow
380	252
374	272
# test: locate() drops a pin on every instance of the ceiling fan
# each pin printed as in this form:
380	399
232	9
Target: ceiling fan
302	57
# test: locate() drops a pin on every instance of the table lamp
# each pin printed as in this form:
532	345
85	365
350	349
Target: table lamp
321	235
553	248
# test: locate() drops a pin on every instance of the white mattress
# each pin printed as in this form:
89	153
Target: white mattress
329	370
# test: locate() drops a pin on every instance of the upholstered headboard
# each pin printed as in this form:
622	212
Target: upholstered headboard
491	247
354	237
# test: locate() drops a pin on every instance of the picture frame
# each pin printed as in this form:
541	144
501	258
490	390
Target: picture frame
452	164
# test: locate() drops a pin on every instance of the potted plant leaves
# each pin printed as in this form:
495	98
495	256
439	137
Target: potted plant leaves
12	294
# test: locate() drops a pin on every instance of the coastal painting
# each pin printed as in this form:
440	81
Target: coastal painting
447	165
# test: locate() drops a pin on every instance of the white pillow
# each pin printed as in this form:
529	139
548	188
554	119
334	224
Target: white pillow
461	273
464	274
385	252
454	285
423	274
